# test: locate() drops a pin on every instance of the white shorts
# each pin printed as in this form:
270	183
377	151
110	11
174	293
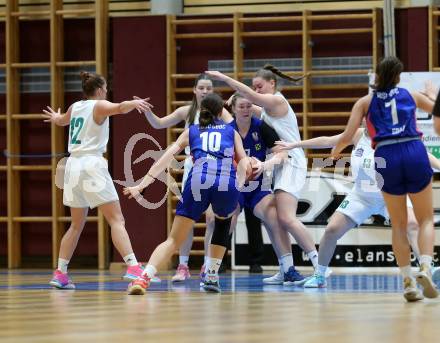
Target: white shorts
360	206
186	168
87	182
290	178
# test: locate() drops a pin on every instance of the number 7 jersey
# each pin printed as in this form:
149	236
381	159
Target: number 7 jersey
392	114
85	135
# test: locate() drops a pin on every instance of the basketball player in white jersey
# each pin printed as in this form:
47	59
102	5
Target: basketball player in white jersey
364	200
190	115
290	176
87	182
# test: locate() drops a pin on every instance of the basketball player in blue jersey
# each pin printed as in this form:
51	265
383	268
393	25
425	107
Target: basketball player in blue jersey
190	115
402	165
211	181
258	138
364	199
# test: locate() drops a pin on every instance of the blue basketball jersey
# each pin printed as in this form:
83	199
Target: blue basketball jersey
253	143
392	114
212	147
212	178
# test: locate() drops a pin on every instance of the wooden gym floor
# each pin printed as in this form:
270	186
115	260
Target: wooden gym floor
354	308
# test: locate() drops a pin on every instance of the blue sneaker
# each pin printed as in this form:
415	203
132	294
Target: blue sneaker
292	277
211	283
316	281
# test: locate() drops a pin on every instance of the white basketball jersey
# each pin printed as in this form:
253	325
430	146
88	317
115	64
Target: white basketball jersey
85	136
196	121
287	129
363	168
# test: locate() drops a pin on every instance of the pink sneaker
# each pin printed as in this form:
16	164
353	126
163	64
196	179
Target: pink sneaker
182	273
202	275
139	286
133	272
61	280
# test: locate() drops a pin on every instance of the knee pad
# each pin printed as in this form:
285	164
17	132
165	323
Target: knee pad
221	232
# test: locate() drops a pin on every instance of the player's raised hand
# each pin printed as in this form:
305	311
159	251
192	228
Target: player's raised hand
142	105
215	75
50	116
430	90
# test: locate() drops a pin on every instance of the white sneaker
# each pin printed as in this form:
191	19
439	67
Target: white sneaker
410	291
328	272
276	279
423	278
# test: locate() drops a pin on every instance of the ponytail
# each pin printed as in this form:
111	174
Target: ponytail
278	72
387	73
206	117
210	109
269	72
91	82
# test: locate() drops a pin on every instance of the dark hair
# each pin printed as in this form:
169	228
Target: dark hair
269	72
91	82
210	108
193	108
387	73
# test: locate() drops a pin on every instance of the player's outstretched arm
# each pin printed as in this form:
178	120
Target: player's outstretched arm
50	116
104	108
159	166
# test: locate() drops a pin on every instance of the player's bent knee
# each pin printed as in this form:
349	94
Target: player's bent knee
221	231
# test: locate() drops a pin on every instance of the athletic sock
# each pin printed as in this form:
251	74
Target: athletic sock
62	265
321	270
313	256
213	265
130	260
184	260
280	262
287	262
426	259
150	271
406	271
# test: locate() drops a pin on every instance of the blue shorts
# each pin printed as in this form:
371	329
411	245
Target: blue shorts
222	195
407	167
251	199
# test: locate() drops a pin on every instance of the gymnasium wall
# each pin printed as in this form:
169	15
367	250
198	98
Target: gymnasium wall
3	206
36	185
137	53
139	68
412	38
